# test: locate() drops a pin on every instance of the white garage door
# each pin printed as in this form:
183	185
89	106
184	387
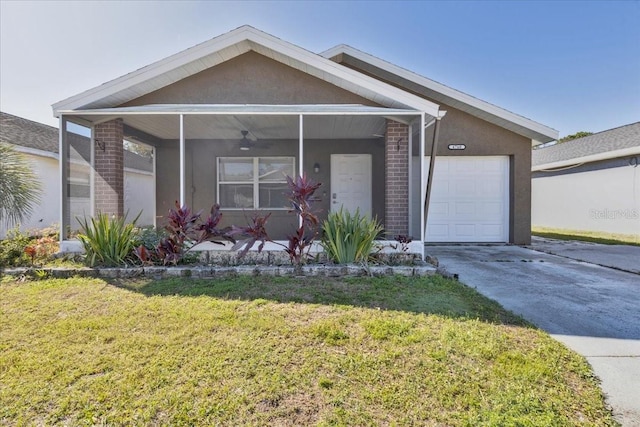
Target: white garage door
469	199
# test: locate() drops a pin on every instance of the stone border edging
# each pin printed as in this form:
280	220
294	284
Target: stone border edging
212	272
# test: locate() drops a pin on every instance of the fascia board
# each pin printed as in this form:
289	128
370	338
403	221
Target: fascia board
242	34
454	94
607	155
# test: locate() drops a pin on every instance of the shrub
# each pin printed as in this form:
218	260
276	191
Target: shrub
108	241
183	231
12	249
349	237
21	249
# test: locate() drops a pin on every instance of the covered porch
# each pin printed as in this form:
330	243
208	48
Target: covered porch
238	156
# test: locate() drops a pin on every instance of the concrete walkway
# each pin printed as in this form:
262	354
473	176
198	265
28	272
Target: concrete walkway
593	310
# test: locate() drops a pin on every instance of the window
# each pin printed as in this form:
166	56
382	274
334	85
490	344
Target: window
254	182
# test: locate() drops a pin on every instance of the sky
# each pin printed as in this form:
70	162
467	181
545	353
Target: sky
573	66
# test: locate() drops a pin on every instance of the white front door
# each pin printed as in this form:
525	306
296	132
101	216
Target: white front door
351	182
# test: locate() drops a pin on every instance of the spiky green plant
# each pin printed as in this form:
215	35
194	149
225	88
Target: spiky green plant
19	186
349	237
108	241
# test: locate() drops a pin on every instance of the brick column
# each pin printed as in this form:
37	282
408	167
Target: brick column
396	179
109	168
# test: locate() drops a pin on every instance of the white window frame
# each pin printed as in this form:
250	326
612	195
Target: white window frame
255	181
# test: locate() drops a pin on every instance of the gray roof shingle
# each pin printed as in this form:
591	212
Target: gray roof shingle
27	133
627	136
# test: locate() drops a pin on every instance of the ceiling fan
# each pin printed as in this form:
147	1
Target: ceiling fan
246	144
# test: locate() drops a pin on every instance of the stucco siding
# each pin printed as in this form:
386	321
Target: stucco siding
201	175
601	197
250	79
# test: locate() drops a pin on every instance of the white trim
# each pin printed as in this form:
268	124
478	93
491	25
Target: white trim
244	39
35	151
455	95
410	171
244	109
607	155
92	172
61	166
182	165
423	176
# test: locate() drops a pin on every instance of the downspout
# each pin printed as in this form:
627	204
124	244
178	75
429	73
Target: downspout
432	162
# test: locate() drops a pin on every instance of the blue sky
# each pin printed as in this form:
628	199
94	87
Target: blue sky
570	65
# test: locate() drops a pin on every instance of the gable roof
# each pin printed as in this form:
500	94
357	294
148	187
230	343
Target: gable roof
230	45
22	132
609	144
441	93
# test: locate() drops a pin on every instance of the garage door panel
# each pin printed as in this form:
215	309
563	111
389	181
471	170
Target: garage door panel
465	209
492	164
492	210
439	230
491	231
465	231
440	208
463	188
469	199
493	188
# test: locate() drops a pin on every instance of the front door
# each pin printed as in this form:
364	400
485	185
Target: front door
351	182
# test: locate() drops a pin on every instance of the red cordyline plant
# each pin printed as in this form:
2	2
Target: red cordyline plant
301	196
185	230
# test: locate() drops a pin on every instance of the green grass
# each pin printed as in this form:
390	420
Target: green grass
587	236
276	351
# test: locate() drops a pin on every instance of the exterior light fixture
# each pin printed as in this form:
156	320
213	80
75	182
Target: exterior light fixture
316	167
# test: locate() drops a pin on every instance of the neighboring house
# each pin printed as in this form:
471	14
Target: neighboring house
39	144
231	116
590	183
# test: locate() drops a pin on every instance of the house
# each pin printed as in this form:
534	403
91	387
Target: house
590	183
228	118
39	144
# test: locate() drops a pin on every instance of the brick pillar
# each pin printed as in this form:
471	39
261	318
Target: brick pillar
109	168
396	154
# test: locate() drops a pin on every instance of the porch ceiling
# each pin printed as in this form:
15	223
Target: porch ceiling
262	121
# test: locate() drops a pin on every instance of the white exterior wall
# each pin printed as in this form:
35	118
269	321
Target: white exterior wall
47	211
139	195
605	200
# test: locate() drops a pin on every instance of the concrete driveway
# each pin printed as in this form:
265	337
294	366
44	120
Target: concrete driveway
592	309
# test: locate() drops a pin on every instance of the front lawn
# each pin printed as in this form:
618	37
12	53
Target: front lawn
279	351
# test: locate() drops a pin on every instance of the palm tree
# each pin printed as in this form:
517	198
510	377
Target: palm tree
19	186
